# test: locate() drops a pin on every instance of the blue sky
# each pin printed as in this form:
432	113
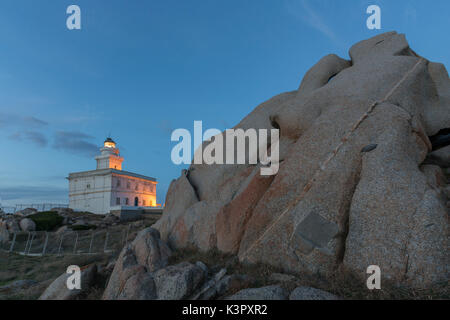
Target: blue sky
139	69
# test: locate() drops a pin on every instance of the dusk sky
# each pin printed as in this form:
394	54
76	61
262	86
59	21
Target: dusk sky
139	69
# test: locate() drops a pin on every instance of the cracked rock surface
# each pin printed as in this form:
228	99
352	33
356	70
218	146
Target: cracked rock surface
352	188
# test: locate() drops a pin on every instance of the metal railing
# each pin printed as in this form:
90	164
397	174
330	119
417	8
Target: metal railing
37	206
9	210
39	243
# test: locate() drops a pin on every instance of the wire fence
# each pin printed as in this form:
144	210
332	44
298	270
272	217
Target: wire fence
37	206
39	243
9	210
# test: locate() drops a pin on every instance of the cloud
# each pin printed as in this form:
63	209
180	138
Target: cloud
23	129
33	121
24	125
309	16
7	119
34	137
75	142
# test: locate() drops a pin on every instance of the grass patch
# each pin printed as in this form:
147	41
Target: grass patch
348	285
95	291
87	215
41	269
47	220
81	227
213	258
150	219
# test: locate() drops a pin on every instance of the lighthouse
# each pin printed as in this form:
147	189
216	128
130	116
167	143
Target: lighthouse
109	188
109	157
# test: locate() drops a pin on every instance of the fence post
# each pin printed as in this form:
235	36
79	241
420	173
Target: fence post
60	243
45	243
31	242
26	245
13	242
106	242
76	241
92	240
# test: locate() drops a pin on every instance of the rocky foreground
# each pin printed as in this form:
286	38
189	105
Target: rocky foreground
147	269
142	272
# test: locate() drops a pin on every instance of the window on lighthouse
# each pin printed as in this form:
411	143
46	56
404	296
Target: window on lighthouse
109	144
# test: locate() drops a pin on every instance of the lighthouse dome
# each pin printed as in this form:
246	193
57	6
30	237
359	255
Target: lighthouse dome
109	143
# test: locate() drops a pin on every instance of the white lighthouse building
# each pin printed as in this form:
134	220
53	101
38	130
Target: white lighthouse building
109	188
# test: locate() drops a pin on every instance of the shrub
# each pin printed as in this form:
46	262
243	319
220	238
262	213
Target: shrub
81	227
46	221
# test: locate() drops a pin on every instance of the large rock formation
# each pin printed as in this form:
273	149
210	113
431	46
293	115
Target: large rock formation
58	290
132	277
141	273
351	188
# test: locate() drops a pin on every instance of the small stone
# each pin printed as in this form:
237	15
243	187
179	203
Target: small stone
369	148
282	278
27	225
203	266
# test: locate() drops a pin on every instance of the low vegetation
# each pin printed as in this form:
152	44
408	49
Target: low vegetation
81	227
47	220
341	282
42	269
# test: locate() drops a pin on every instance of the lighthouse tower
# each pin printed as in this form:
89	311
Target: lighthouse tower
109	157
110	189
